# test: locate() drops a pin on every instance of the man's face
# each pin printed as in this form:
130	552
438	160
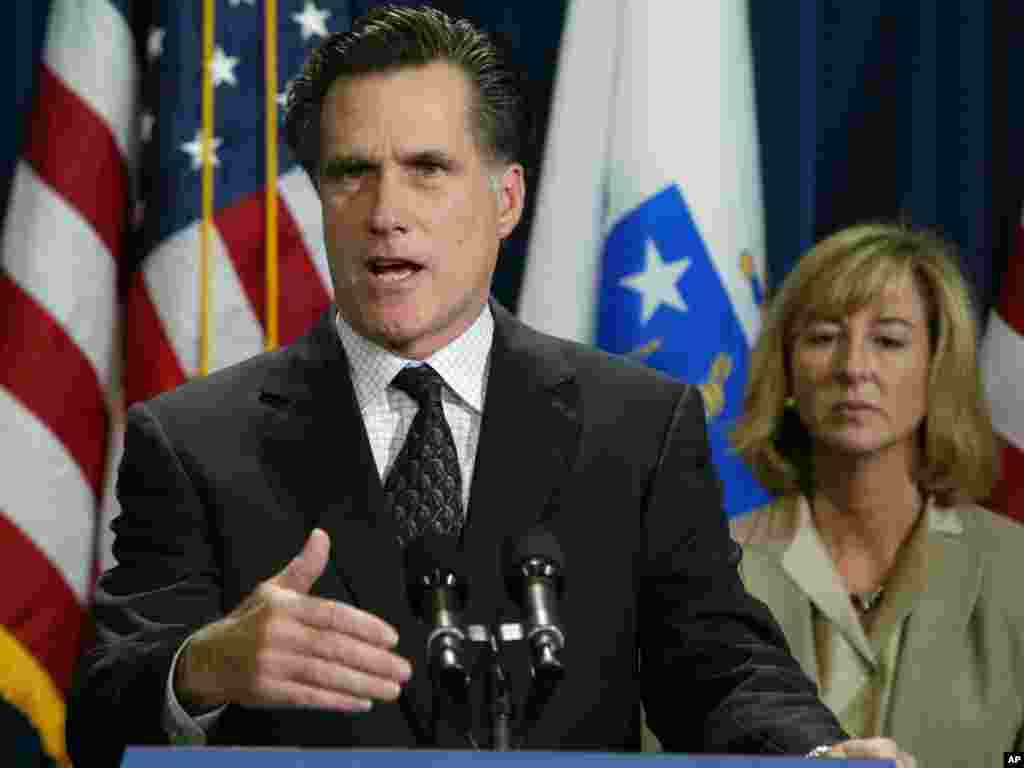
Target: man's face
413	211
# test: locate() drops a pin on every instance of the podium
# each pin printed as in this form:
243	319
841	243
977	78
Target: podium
208	757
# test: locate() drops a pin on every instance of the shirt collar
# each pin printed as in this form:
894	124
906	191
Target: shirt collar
462	363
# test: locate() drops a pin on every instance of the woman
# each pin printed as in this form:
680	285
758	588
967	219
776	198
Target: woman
864	412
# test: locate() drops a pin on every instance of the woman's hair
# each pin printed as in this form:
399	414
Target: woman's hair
840	275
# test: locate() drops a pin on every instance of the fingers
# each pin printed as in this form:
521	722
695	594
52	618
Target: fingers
375	666
303	571
329	676
875	748
343	618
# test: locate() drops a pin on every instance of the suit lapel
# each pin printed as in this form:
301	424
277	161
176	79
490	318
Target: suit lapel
319	460
528	441
528	444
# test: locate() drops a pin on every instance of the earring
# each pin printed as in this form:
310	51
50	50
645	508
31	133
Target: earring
789	402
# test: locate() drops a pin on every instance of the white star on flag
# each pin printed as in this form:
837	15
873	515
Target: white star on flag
236	3
194	149
155	43
657	283
312	20
222	68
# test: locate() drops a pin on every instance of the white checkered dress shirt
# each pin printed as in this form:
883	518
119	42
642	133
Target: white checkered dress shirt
388	412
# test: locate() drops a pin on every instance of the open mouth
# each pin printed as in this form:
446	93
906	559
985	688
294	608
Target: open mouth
393	269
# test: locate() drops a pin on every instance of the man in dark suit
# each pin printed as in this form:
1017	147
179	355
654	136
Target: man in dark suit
259	595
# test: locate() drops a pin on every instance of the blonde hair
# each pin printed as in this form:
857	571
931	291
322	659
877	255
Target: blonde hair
840	275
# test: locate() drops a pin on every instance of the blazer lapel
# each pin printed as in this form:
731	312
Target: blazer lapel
935	630
319	460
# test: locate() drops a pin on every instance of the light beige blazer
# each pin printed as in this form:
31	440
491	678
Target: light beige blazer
957	698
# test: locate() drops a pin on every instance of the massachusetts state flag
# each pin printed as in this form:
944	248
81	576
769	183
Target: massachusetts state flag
648	235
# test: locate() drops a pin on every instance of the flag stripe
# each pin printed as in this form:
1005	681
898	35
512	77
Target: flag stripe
1011	307
297	192
172	280
1003	363
1009	494
73	151
150	365
54	256
69	399
46	618
90	47
242	229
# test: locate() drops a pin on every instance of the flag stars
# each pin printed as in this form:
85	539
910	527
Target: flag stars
194	149
657	283
222	68
312	20
155	43
236	3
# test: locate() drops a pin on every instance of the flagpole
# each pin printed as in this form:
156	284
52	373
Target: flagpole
205	226
270	76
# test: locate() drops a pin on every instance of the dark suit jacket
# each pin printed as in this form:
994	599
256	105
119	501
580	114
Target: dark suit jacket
224	478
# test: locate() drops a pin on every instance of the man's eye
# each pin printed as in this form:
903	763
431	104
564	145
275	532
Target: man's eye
428	168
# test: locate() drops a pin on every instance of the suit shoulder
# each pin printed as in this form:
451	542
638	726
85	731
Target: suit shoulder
224	383
768	528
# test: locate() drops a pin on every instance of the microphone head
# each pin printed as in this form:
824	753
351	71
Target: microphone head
535	553
432	561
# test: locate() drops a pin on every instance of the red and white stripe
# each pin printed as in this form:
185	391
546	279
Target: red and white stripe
61	253
163	325
1003	366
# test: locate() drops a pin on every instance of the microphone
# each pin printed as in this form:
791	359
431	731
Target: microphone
534	575
438	594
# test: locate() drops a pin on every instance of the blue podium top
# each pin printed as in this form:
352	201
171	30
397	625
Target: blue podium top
209	757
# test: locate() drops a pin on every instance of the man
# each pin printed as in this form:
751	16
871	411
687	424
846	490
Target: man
259	594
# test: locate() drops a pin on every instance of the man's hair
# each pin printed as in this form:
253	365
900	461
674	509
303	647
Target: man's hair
840	275
391	38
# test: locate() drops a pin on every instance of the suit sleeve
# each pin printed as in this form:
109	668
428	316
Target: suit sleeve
717	675
165	585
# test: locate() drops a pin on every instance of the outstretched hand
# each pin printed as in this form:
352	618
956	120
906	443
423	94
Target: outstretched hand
283	647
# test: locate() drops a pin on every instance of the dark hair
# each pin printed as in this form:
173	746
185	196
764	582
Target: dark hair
390	38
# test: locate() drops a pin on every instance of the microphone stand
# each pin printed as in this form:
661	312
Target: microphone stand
500	700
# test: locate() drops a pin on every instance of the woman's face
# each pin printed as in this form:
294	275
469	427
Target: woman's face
860	382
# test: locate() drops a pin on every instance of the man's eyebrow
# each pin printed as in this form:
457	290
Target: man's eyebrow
430	155
348	161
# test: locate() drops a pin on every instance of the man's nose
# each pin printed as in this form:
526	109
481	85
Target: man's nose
387	203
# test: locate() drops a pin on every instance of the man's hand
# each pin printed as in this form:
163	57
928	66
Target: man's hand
873	749
283	648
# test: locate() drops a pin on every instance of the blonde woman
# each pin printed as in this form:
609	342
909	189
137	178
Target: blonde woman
898	593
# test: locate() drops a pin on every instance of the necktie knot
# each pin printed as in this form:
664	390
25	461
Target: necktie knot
421	382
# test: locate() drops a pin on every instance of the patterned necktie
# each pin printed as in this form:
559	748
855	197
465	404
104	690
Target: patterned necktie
424	487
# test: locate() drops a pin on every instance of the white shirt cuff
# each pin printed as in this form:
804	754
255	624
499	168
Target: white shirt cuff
181	727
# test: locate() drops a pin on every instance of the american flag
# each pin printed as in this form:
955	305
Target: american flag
102	234
1003	366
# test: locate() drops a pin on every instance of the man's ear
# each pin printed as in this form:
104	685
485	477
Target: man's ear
511	194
